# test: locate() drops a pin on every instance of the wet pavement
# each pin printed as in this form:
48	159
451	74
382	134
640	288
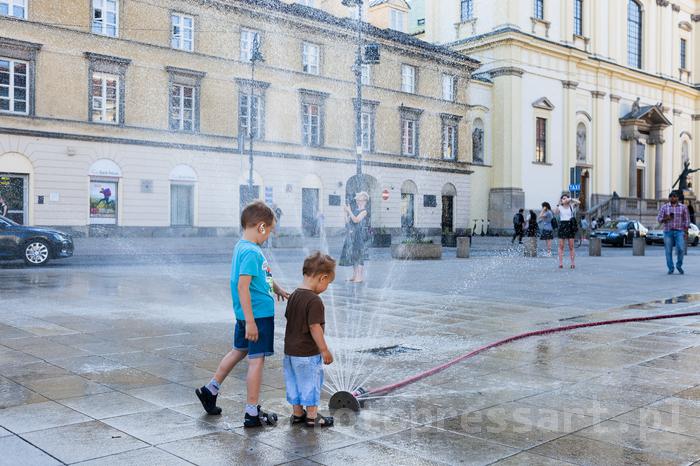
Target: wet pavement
98	364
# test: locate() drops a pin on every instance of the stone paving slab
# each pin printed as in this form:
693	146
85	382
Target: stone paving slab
106	373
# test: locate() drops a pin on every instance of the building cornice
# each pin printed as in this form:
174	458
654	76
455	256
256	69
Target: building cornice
598	94
246	83
506	71
569	84
615	98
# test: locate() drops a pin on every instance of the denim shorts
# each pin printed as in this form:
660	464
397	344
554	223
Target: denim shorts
265	346
304	379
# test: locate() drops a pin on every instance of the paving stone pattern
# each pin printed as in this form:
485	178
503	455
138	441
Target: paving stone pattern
98	367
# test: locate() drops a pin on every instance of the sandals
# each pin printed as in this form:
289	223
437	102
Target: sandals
299	419
319	421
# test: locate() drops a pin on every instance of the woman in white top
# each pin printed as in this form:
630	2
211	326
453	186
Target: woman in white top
566	210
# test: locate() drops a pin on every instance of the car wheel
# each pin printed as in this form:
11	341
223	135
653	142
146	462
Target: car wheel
696	241
36	252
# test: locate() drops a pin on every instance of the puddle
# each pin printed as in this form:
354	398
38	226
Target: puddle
682	299
385	351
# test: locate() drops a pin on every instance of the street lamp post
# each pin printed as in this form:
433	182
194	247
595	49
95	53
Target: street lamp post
357	69
255	57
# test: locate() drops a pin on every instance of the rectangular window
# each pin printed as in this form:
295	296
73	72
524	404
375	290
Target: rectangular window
249	115
366	76
683	54
408	78
105	98
578	17
311	114
14	8
541	141
367	135
182	32
14	87
408	137
467	11
449	142
105	17
182	107
311	58
248	38
539	9
448	87
398	20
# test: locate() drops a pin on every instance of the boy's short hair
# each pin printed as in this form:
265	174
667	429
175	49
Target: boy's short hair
318	263
256	212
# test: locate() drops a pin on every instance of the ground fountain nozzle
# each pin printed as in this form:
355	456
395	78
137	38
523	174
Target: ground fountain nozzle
347	400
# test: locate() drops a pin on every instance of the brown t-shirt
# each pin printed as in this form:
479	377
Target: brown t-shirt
304	309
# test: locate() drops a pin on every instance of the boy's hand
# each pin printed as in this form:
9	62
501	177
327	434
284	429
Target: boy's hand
251	331
327	357
280	292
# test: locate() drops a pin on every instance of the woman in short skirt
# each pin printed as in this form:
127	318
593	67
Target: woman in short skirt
566	210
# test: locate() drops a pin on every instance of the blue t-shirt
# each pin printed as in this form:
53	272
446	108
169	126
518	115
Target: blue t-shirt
248	259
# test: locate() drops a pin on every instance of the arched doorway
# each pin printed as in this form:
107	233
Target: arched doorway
183	182
15	173
409	190
311	192
369	184
449	192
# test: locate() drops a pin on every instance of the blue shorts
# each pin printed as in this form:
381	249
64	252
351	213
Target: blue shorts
265	346
304	379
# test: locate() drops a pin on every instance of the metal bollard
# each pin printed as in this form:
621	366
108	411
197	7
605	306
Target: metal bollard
638	246
463	247
531	247
595	246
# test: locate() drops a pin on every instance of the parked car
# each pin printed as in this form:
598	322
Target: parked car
33	244
656	236
619	232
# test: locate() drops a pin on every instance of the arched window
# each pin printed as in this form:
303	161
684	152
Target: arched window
478	141
634	34
581	143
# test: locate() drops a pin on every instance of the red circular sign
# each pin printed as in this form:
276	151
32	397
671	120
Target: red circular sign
385	195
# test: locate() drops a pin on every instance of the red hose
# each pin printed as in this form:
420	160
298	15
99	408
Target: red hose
389	388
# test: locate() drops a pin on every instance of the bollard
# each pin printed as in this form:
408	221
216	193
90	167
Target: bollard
595	246
463	246
531	247
638	245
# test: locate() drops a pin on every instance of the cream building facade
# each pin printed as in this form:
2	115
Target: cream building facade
134	117
599	94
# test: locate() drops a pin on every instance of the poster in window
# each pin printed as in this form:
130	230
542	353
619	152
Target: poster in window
103	202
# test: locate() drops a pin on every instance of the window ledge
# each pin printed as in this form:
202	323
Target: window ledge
471	20
481	164
548	164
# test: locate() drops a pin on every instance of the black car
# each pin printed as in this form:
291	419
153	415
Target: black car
35	245
619	232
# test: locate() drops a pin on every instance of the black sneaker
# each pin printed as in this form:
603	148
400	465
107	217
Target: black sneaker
208	401
257	421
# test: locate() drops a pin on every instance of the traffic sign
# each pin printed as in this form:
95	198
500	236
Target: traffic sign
575	187
385	195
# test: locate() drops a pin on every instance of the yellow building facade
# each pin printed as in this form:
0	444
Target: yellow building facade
134	116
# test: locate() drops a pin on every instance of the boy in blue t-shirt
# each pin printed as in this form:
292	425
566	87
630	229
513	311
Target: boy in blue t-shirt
253	291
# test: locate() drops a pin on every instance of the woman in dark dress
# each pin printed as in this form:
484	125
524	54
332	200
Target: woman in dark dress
532	227
354	248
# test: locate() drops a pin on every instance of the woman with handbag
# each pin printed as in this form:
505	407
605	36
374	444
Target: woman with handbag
568	226
355	246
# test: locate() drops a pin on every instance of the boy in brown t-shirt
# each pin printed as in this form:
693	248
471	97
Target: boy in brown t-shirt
305	349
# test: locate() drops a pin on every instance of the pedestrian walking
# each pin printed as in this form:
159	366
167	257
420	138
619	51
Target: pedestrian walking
356	236
532	227
546	228
675	219
3	207
518	226
566	210
594	224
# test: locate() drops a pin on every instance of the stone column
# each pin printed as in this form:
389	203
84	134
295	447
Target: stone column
633	168
601	158
659	169
569	153
615	161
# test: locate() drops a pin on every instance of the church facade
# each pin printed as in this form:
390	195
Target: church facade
591	96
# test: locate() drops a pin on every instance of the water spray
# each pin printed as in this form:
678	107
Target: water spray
354	400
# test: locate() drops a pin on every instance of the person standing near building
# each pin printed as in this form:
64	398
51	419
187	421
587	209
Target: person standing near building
546	227
675	219
518	226
357	229
566	210
3	207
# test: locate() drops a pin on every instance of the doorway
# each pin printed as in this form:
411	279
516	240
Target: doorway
583	198
181	205
640	183
14	189
407	211
309	211
447	214
247	195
